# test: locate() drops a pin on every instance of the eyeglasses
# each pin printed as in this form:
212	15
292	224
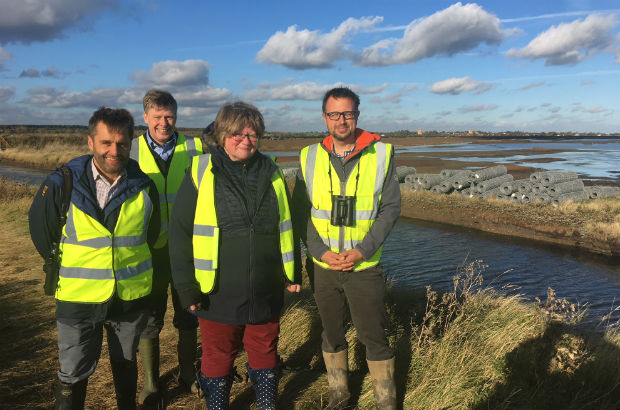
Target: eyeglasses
242	137
348	115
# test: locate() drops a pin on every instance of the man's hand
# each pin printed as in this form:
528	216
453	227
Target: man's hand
352	256
195	307
336	261
293	288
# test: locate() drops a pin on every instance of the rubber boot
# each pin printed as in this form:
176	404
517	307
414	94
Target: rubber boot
125	375
382	373
216	390
70	396
265	383
337	365
148	350
186	353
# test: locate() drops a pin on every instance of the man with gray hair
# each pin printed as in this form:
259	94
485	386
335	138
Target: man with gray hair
165	155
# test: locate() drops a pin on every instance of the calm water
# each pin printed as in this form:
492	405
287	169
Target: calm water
419	253
591	159
23	175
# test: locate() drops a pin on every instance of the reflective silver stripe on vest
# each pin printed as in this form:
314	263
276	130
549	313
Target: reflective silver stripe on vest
203	264
204	230
96	243
134	153
128	241
286	225
132	271
70	226
203	163
288	257
191	146
320	214
310	165
381	149
86	273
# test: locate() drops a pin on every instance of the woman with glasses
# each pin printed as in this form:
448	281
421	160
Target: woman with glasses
232	254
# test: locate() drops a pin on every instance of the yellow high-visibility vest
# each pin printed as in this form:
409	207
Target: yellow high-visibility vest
186	148
365	182
205	237
95	262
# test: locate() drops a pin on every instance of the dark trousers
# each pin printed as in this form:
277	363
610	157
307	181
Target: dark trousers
158	299
221	343
364	293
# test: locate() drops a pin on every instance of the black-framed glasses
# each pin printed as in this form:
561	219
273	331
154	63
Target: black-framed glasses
241	137
348	115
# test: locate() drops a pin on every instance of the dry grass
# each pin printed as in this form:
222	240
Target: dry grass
593	224
50	157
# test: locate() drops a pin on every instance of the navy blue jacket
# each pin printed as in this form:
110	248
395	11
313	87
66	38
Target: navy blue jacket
44	224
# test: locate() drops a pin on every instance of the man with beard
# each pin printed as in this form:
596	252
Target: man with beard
346	201
105	269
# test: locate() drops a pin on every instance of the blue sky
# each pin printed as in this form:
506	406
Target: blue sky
438	65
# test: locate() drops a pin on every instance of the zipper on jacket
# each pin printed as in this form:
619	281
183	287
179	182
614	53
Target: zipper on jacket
250	276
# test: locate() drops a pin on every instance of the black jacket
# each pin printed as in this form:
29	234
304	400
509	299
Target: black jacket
250	279
43	222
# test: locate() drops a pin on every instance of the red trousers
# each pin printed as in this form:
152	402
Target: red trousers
221	343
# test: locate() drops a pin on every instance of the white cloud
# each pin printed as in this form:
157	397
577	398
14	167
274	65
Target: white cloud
478	107
307	90
456	86
5	56
570	43
6	93
303	49
532	85
597	109
453	30
25	21
58	98
167	74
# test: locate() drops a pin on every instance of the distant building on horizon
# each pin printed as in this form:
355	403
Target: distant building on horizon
419	131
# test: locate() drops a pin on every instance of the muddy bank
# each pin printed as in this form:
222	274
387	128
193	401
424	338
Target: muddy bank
525	221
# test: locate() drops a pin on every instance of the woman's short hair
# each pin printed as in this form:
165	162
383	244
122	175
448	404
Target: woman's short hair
235	116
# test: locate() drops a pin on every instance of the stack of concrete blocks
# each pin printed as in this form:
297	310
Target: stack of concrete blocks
548	187
601	191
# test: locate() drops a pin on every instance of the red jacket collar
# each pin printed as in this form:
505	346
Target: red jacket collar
362	140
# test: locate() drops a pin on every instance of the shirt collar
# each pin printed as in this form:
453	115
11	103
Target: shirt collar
164	151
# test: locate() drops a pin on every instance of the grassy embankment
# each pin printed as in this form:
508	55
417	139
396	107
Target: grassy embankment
469	348
593	224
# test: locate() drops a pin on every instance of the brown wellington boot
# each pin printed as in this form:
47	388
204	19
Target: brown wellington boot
337	365
382	373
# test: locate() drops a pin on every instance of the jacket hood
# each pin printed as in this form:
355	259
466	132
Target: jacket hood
362	140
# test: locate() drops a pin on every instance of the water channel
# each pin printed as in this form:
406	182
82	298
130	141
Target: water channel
419	253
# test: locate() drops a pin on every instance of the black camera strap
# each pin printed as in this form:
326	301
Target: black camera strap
67	187
357	179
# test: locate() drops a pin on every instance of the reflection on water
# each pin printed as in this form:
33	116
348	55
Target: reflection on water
24	175
591	159
418	254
